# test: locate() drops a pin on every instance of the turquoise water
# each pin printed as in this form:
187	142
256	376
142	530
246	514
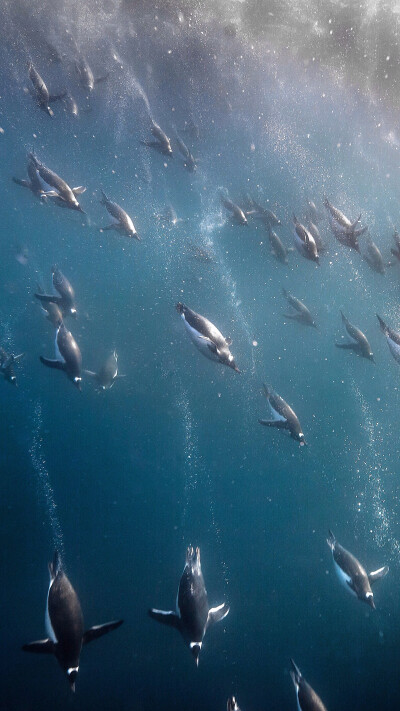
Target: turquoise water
122	482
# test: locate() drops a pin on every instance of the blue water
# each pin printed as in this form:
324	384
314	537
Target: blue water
123	481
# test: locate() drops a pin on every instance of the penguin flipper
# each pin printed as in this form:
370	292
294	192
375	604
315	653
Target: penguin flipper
280	424
215	614
79	190
377	574
167	617
41	646
52	194
48	298
91	373
99	630
57	364
55	97
348	346
25	183
100	79
18	357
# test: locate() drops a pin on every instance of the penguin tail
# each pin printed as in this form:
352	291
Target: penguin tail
55	566
331	540
179	307
344	319
284	292
381	323
295	672
267	391
104	198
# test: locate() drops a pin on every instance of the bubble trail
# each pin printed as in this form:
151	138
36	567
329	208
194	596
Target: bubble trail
196	474
373	494
45	492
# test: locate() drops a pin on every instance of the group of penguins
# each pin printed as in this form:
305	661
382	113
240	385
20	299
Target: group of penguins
193	615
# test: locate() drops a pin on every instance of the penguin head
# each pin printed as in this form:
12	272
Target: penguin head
195	648
226	357
78	383
369	599
73	312
72	673
371	357
13	380
300	437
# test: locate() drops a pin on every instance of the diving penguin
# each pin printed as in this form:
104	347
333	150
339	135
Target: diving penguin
300	312
304	241
284	416
392	338
7	361
64	624
63	195
68	356
40	91
206	337
232	704
307	699
359	344
193	616
352	574
65	299
123	222
108	373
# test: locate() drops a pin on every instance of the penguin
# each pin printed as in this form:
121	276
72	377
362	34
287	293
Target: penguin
162	142
124	223
206	337
189	162
307	699
314	231
232	705
64	624
352	574
278	249
7	361
51	311
313	214
68	356
360	342
301	314
267	216
71	105
345	231
40	91
63	194
66	295
392	338
85	75
34	183
284	417
108	372
374	257
396	251
237	212
304	241
193	616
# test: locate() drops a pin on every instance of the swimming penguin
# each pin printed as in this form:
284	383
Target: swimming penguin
68	356
62	193
374	257
64	624
392	338
360	342
206	337
304	241
345	231
267	216
162	142
124	223
193	616
307	699
284	417
396	251
278	249
312	212
108	372
65	299
7	361
237	212
232	705
189	162
50	310
85	75
352	574
40	91
34	183
301	314
314	231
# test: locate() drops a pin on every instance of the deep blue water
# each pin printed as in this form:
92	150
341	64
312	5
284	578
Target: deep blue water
123	481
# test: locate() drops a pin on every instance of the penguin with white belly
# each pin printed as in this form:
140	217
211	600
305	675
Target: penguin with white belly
64	624
193	616
352	574
206	337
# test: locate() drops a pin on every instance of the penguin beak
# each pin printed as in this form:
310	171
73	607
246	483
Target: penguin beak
72	679
370	601
195	649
